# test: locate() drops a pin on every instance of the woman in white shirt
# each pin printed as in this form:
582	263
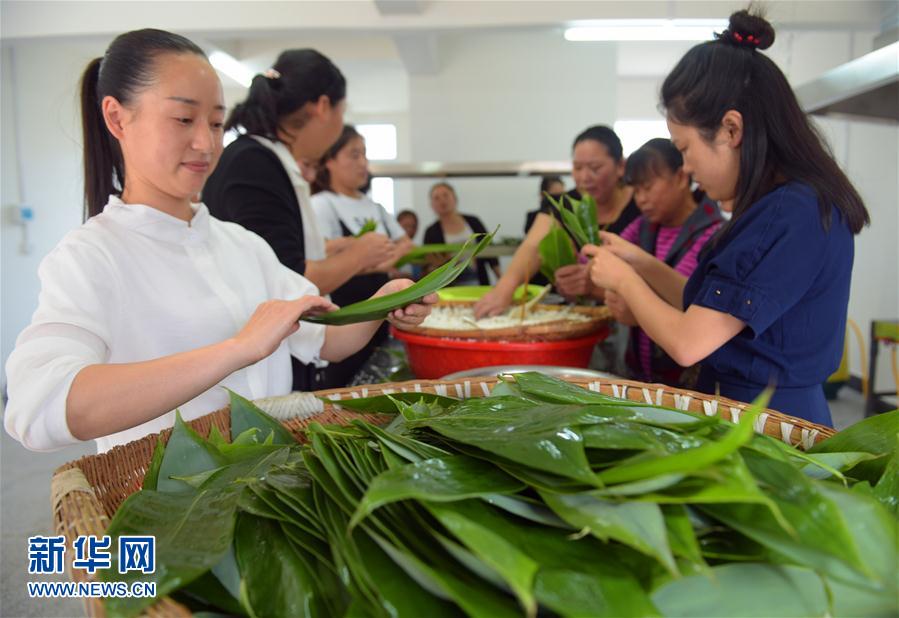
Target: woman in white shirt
342	209
153	304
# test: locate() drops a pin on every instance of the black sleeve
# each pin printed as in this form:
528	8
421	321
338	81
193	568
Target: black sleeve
630	212
253	190
434	234
477	226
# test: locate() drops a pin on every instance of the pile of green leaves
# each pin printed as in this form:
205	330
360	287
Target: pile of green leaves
370	225
543	498
579	218
379	308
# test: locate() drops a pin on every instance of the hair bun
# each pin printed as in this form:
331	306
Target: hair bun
747	29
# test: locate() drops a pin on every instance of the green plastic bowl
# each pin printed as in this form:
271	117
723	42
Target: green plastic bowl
473	293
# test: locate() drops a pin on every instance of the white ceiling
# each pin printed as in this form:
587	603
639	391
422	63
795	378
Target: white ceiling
263	18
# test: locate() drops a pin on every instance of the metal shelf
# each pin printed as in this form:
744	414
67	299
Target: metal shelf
435	169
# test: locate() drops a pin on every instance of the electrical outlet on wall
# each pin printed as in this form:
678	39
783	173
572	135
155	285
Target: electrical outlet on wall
20	215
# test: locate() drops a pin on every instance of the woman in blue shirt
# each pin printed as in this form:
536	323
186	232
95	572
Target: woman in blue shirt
767	303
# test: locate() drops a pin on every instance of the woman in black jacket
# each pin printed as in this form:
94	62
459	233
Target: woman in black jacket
454	227
293	112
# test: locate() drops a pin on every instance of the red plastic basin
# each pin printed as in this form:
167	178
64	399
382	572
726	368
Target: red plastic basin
435	357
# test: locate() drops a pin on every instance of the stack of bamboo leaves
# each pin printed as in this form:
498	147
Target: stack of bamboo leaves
542	499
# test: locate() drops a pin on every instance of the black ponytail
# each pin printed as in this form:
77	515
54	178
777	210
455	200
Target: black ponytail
779	141
299	76
125	69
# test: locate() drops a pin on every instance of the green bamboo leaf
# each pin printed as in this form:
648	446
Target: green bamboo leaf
762	590
407	448
589	218
370	225
887	488
209	591
637	524
446	479
193	530
817	536
555	252
526	508
876	534
386	404
681	535
419	254
279	585
515	567
569	220
826	465
151	478
399	594
246	415
875	435
542	387
379	308
543	437
648	465
186	454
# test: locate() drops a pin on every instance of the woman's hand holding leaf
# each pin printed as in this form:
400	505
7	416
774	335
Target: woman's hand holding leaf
573	281
607	270
627	251
410	315
272	322
373	249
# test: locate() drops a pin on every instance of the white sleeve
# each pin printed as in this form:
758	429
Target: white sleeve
394	229
286	284
70	330
326	215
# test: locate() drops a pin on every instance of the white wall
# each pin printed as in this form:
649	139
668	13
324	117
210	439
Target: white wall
48	131
506	97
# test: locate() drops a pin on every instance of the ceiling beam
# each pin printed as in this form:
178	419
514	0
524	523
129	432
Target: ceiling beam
400	7
419	52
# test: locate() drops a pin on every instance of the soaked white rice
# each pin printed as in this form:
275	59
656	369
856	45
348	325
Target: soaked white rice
462	318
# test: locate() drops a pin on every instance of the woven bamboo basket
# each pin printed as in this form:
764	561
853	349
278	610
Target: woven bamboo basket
599	318
86	493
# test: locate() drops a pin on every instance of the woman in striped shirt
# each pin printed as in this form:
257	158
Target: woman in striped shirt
676	223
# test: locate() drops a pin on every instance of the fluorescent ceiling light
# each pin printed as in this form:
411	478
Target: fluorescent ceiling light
646	30
230	66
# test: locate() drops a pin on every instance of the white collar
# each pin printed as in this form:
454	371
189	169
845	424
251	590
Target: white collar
156	224
284	155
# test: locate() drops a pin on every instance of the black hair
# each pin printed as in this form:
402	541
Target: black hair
605	136
322	175
299	76
779	144
127	68
442	183
650	159
407	213
547	181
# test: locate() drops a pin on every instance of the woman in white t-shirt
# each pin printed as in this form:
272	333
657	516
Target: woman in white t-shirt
342	209
153	304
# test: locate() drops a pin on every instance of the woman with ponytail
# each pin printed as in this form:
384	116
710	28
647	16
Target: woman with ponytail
767	302
293	113
152	305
